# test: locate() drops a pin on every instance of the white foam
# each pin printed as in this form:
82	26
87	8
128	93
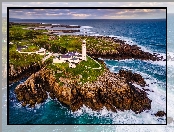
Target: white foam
162	54
131	42
55	24
138	86
158	98
161	63
111	36
73	25
86	27
91	32
121	117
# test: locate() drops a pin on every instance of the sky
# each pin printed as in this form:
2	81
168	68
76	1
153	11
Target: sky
88	13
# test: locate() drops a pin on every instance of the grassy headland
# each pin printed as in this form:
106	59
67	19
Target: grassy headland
103	88
83	72
97	46
36	39
71	43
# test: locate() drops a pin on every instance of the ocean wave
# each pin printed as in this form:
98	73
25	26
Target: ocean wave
73	25
86	27
55	24
158	45
157	94
160	63
130	41
137	66
126	39
95	34
119	117
91	32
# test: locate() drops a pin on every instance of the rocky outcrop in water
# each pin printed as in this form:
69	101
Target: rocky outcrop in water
109	90
133	51
113	92
124	51
160	113
132	77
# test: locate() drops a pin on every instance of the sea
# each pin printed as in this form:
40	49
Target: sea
151	36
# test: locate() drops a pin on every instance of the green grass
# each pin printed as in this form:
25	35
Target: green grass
31	48
73	43
84	69
36	39
23	60
70	43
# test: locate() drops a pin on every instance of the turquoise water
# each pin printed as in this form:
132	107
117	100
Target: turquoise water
150	35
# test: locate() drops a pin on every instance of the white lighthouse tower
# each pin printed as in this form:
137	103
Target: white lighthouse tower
84	50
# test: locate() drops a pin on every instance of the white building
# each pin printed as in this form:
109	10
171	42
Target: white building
74	60
72	57
66	57
84	50
57	60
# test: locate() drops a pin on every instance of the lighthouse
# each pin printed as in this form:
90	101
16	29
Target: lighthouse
84	50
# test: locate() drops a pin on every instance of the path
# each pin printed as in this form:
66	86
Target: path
46	57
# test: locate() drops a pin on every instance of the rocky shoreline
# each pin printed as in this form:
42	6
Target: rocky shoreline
43	25
125	51
115	91
110	90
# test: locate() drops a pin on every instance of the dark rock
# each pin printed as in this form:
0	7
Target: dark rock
16	74
27	96
40	100
147	90
32	102
132	77
124	51
160	113
20	98
24	104
110	90
52	95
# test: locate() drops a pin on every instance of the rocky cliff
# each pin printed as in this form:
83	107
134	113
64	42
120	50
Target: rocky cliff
110	90
17	73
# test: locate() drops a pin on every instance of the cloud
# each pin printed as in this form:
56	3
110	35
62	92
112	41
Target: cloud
169	5
81	15
87	13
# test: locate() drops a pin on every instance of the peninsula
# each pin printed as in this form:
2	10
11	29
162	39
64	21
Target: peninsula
66	68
